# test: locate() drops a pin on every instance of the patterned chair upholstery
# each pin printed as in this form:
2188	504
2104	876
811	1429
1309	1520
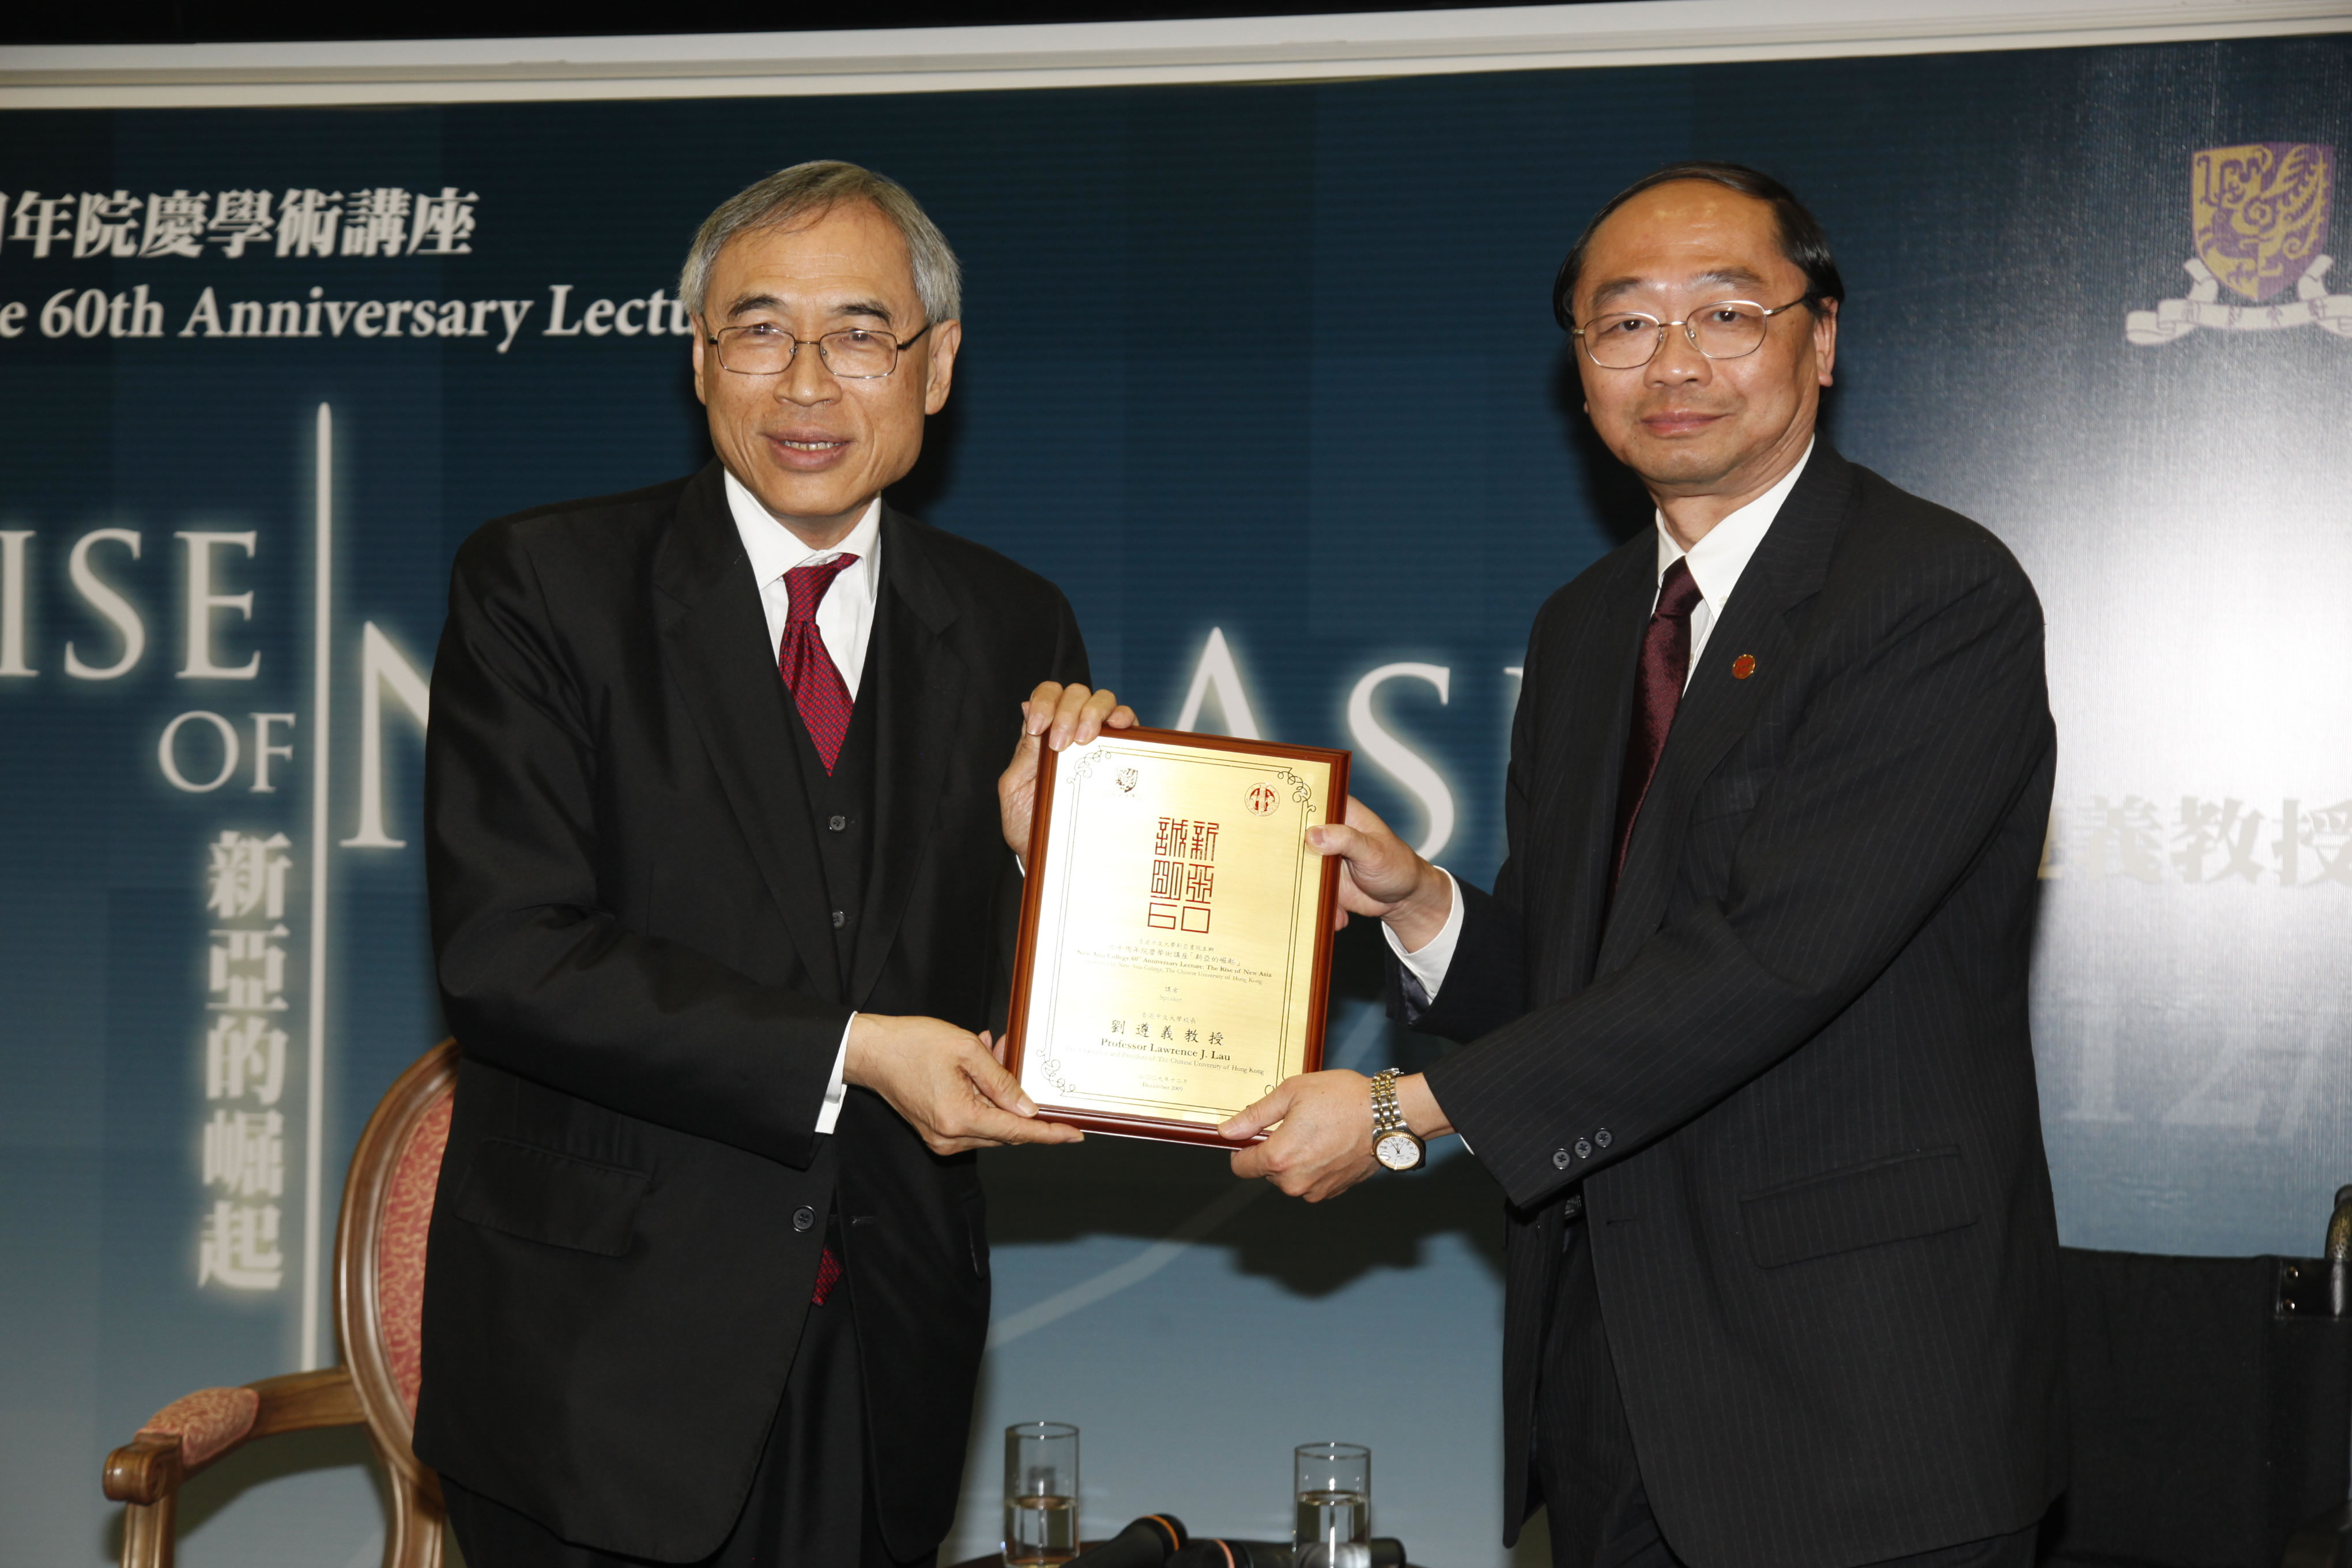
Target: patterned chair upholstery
379	1310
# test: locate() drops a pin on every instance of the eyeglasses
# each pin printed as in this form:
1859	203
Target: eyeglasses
854	353
1728	329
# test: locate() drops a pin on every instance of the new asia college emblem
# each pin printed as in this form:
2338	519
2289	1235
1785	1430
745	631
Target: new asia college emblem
2261	212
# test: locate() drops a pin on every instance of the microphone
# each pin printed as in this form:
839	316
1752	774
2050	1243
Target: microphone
1208	1552
1147	1543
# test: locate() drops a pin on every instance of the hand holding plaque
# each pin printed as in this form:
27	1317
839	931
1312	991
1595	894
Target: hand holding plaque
1053	718
1175	930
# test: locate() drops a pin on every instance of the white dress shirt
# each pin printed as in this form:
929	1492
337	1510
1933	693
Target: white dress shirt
1717	561
844	621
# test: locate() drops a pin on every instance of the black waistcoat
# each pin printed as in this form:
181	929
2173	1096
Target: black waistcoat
841	810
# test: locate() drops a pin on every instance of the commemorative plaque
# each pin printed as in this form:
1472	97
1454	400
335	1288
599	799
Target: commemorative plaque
1174	963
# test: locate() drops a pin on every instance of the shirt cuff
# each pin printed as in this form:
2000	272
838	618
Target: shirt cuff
830	1111
1430	962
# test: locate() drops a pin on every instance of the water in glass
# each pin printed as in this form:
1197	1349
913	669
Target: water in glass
1333	1529
1040	1530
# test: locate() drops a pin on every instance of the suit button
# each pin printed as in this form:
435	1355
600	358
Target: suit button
1559	1159
1602	1138
1585	1149
803	1217
837	824
840	919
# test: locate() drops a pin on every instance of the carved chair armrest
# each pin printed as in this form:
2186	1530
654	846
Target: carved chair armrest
146	1470
191	1433
301	1400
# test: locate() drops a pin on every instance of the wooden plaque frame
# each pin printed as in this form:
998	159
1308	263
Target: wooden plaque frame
1033	897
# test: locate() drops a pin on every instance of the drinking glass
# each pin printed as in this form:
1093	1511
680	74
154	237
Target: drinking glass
1041	1493
1333	1525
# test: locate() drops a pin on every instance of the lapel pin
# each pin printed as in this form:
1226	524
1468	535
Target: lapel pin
1743	667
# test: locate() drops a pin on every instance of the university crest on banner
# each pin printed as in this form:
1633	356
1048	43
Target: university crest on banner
2261	212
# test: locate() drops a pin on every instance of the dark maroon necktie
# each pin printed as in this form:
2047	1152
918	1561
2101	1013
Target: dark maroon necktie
1657	692
809	672
822	698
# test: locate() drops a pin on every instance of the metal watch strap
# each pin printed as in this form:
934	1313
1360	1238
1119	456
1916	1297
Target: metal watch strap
1387	1116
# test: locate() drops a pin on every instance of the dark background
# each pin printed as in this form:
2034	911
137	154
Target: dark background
1275	360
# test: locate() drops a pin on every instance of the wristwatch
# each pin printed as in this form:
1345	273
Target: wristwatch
1393	1144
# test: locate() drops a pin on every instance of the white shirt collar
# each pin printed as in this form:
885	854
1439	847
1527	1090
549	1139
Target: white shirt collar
1720	557
775	549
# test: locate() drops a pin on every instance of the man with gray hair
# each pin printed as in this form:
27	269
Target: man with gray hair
721	840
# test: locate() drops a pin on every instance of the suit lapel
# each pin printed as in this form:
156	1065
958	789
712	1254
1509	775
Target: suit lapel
715	632
916	683
1579	784
1717	707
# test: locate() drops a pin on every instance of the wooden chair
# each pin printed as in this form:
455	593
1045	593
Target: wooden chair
379	1308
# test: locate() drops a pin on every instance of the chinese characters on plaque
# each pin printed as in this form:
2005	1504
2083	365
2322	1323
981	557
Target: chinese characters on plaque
1183	875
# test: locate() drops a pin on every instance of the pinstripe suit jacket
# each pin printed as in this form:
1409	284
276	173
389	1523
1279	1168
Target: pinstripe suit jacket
1789	1067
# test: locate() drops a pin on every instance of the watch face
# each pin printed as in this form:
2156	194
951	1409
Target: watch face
1398	1150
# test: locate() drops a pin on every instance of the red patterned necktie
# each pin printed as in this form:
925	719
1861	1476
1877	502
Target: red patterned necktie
809	672
1657	692
829	1275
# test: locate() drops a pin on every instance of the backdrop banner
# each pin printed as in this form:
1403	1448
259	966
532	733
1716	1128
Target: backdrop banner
1265	378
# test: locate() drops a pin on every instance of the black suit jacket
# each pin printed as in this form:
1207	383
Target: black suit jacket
1790	1065
637	952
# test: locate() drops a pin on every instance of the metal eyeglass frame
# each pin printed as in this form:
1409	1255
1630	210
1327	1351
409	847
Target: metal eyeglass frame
1688	331
898	347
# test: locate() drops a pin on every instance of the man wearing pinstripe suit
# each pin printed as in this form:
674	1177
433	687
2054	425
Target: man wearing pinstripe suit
1747	1007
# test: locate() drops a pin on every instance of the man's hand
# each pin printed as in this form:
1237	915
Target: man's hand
1379	876
948	1084
1324	1144
1057	716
